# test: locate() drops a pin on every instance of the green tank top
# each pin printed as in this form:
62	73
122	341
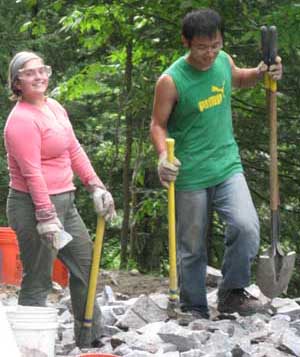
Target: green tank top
201	124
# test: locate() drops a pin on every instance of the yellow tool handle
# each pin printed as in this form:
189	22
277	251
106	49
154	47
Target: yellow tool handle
172	233
269	83
94	272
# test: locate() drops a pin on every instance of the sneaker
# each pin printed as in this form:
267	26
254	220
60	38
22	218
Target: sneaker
238	300
186	317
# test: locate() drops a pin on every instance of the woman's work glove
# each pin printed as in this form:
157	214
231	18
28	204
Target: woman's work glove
167	172
49	226
104	203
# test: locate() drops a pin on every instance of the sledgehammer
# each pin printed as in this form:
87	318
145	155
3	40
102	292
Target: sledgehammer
173	285
173	309
86	329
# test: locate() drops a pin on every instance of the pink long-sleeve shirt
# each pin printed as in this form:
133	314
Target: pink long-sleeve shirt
43	153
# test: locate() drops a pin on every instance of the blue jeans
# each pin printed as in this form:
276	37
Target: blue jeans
231	199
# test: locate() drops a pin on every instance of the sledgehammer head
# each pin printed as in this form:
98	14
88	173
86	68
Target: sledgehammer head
172	308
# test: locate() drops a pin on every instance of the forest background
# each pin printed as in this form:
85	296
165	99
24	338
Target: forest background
106	57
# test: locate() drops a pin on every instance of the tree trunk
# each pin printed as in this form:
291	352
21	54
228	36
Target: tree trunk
126	167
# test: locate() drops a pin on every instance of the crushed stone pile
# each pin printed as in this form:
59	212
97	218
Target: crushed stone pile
140	327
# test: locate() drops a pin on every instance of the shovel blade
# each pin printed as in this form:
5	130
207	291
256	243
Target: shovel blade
274	272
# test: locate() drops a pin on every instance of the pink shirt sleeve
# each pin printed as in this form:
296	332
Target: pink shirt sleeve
24	143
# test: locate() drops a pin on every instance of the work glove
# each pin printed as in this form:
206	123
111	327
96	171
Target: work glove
262	68
51	231
49	226
167	172
275	70
104	203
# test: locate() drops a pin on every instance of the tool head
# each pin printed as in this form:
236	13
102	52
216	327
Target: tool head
274	272
172	309
265	44
273	44
269	44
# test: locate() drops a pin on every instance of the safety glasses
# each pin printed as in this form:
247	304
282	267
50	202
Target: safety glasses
30	73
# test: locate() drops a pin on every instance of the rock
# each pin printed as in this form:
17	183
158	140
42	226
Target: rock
218	343
160	300
139	327
146	308
122	350
183	338
192	353
213	276
171	354
134	272
286	307
139	354
130	320
255	291
65	317
110	330
291	341
108	295
107	316
267	350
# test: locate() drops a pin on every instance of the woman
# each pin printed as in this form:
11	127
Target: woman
43	153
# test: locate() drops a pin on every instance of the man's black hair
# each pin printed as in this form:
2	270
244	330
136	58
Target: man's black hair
202	22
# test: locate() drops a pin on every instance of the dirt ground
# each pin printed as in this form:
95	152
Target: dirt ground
129	284
132	283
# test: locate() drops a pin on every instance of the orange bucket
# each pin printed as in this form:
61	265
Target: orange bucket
11	265
60	273
97	355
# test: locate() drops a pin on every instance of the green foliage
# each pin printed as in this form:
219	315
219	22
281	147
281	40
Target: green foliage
87	43
111	254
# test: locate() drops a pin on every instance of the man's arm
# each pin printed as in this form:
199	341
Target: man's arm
165	97
164	100
248	77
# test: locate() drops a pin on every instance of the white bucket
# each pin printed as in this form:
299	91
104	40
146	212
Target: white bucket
35	329
9	346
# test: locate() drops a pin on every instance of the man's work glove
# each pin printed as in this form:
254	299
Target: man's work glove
275	70
49	226
167	171
104	203
262	68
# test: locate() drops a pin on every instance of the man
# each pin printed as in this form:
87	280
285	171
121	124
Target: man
193	104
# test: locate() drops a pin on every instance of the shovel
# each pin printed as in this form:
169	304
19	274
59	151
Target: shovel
274	268
86	329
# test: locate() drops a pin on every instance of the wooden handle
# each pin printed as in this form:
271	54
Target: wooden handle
274	182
